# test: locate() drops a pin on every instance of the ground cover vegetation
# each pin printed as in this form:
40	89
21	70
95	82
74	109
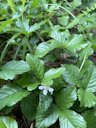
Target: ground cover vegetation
47	64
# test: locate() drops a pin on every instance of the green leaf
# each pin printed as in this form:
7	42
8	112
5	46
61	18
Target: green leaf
11	4
70	74
27	81
7	122
75	43
58	36
13	68
44	103
36	65
36	26
33	86
86	52
4	24
52	74
44	4
63	20
29	106
76	3
34	3
75	21
8	110
22	26
23	4
43	48
9	95
58	84
86	98
88	87
47	118
88	64
71	119
90	117
91	80
68	93
89	73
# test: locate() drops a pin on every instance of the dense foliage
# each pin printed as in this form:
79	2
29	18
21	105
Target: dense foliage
47	63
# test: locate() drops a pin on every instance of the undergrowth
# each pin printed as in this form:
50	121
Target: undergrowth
47	63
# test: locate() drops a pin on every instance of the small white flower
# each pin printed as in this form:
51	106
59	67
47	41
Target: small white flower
50	90
41	87
46	89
